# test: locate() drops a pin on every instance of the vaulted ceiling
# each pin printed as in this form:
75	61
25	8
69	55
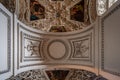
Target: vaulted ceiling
54	15
57	15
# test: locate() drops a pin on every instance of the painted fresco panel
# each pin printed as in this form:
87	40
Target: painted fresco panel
57	74
77	12
57	29
37	10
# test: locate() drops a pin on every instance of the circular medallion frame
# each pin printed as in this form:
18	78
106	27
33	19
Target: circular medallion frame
57	49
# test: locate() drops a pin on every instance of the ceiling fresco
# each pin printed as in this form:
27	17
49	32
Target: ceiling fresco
77	12
9	4
56	15
37	11
59	74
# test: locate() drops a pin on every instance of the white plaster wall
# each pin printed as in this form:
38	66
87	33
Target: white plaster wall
110	45
3	41
6	43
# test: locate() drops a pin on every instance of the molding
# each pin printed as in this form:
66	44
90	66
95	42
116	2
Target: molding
102	41
21	46
91	45
57	34
81	39
20	58
54	64
18	46
8	42
48	37
31	39
92	11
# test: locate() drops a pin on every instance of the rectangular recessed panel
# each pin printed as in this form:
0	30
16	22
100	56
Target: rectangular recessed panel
3	42
112	42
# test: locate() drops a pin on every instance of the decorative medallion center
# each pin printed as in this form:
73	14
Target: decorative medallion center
56	50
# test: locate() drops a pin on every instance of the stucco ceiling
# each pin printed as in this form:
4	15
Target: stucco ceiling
54	15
